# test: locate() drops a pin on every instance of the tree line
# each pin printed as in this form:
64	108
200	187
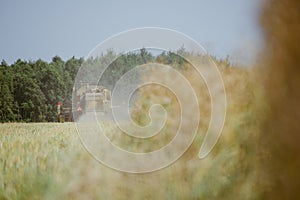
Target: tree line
30	90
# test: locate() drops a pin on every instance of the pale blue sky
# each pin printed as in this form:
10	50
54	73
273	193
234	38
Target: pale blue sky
35	29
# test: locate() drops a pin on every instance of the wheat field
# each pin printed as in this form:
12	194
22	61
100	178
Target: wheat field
48	161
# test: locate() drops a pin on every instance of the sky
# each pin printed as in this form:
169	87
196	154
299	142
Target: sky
35	29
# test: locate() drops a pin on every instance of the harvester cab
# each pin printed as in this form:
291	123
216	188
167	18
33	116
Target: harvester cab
92	98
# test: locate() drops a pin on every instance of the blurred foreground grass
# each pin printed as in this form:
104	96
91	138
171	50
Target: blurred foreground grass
47	160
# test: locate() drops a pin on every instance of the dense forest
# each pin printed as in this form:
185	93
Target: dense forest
30	90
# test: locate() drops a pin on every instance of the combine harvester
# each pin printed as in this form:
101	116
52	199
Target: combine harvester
88	98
